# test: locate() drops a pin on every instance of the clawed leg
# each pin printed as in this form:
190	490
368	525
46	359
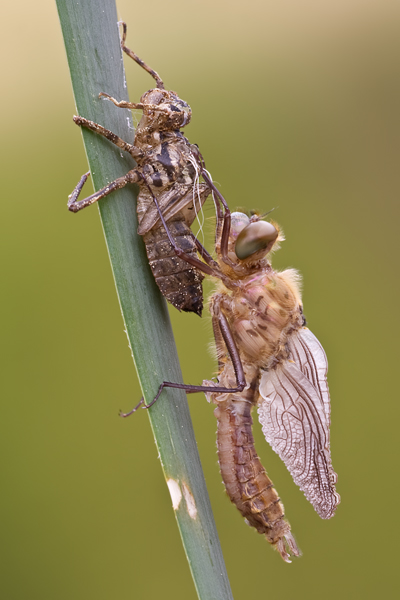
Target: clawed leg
133	150
178	251
132	105
223	216
226	334
131	177
222	231
203	253
139	61
128	414
209	267
195	262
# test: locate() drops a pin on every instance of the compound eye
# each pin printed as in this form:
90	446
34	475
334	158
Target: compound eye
255	237
238	222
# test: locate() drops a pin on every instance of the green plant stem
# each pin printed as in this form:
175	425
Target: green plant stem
92	43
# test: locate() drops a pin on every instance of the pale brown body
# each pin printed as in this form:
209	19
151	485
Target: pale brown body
261	340
246	481
269	359
261	310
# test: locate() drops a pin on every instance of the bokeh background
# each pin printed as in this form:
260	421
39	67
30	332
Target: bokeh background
295	106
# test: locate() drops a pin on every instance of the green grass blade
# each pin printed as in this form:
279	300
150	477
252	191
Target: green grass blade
94	56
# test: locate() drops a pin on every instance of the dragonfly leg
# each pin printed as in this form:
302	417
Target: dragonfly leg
203	253
201	266
133	150
223	217
133	176
139	61
132	105
230	343
128	414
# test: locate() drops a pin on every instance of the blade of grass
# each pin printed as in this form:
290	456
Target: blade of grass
92	43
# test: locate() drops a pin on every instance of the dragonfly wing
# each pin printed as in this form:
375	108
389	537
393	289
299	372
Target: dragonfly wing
294	414
308	354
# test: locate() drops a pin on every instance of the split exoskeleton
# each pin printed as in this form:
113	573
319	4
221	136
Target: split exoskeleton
168	168
267	358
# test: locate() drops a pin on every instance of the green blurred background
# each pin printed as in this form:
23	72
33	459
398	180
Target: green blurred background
295	105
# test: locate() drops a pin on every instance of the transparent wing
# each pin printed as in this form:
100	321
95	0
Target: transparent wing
294	414
310	357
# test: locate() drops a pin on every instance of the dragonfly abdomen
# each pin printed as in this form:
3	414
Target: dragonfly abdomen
246	481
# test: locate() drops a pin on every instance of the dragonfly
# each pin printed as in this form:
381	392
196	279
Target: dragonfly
268	359
169	169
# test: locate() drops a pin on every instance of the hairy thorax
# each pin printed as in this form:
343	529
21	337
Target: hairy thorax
262	311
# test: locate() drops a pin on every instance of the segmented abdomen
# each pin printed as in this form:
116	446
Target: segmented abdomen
246	481
180	283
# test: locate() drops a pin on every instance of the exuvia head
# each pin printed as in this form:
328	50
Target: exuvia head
163	110
253	238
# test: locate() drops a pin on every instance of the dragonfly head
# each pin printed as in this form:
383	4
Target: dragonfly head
252	238
171	113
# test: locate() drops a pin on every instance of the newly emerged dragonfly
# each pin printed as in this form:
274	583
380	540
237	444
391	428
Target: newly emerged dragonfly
267	358
168	169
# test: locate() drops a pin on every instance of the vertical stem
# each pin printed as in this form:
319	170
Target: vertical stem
93	50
